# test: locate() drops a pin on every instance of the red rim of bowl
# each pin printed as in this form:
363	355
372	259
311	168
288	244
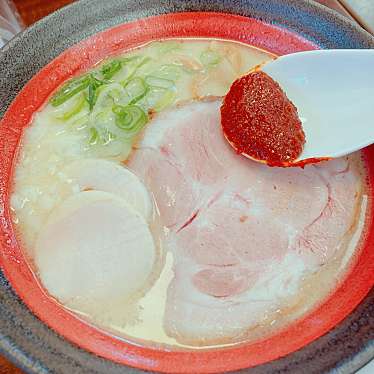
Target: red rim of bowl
80	57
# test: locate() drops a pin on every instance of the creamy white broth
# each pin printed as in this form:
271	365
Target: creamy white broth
49	144
197	69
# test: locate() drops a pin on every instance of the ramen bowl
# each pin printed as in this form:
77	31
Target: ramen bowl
36	332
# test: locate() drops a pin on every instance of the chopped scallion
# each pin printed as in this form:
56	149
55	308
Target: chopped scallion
135	68
159	82
92	91
70	89
210	58
130	118
94	136
108	136
169	71
165	100
75	109
111	68
136	89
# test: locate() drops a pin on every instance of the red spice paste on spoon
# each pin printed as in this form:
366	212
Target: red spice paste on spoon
260	122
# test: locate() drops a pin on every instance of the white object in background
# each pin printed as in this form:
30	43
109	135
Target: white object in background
333	92
363	11
10	24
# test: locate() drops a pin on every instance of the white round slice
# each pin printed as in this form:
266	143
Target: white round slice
109	176
95	248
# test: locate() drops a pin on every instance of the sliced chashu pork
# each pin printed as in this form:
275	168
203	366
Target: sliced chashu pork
242	234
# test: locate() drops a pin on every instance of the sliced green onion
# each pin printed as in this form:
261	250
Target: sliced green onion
165	100
210	58
108	136
94	136
92	96
136	67
117	109
103	116
131	119
158	98
168	71
80	122
70	89
136	89
111	68
75	109
108	94
159	82
92	91
115	94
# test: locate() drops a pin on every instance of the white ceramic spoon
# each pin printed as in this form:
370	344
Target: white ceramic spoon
333	91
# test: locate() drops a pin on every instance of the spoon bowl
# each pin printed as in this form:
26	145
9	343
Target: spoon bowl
333	91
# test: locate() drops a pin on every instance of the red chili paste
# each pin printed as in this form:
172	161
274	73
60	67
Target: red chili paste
260	121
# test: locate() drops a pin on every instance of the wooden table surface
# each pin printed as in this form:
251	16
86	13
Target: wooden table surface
33	10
